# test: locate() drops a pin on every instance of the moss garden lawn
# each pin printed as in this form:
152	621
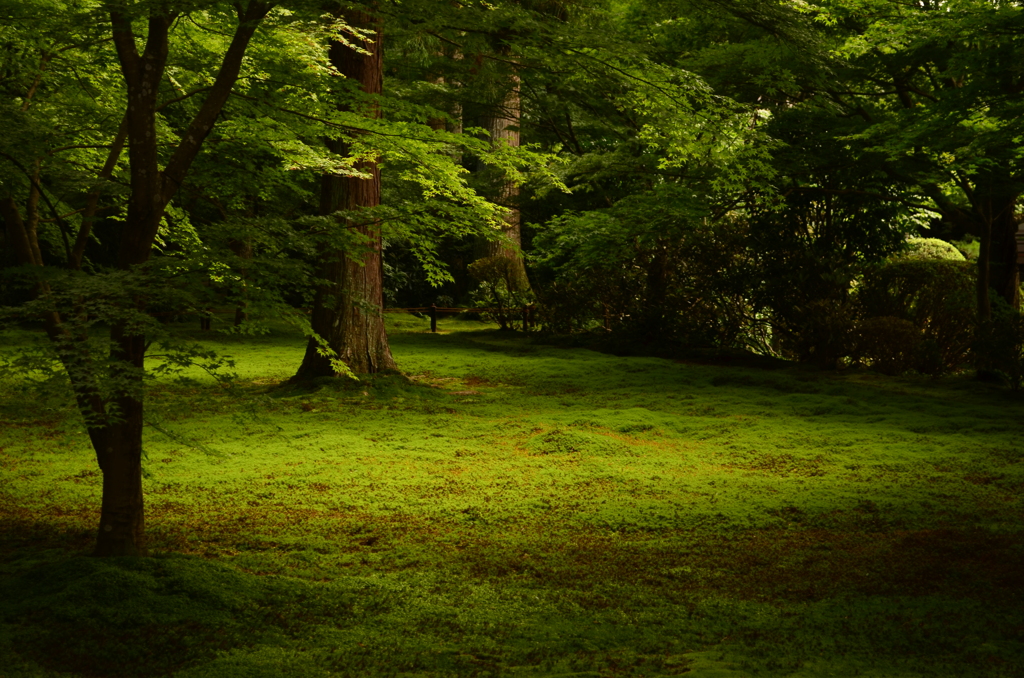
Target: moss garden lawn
518	509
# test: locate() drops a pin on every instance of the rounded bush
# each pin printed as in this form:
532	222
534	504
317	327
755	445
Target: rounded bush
931	249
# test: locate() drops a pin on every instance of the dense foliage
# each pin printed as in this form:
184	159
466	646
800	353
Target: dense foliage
880	122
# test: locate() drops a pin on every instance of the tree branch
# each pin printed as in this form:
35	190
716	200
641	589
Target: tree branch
182	97
35	83
329	123
35	193
92	205
869	194
249	20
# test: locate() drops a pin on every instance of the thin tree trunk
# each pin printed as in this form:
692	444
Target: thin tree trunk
115	425
348	307
438	124
453	123
243	250
117	441
657	292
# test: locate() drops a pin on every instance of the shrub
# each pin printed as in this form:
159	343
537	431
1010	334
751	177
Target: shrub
807	251
935	296
1001	343
651	269
568	307
888	344
818	331
931	249
500	289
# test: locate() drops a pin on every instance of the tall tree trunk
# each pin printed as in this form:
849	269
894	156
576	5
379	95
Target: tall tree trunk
1003	272
994	205
502	123
348	307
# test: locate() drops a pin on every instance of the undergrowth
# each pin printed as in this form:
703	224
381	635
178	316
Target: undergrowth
509	508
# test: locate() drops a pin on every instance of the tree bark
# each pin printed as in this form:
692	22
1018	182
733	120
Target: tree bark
502	124
348	306
122	522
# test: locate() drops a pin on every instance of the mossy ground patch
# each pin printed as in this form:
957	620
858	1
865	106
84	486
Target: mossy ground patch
513	508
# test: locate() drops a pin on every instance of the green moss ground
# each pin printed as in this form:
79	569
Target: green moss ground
518	509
